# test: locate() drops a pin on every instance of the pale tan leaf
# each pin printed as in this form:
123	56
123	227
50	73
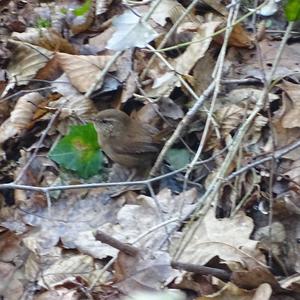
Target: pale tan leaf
65	270
83	69
248	95
26	60
10	286
24	109
290	118
20	117
291	282
46	38
229	117
165	295
75	104
185	62
221	237
231	292
59	293
150	271
163	11
102	6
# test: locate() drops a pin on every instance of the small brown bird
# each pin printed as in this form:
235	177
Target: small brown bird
126	141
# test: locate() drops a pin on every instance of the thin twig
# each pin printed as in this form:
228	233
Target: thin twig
218	70
168	35
101	75
181	126
212	35
277	154
39	144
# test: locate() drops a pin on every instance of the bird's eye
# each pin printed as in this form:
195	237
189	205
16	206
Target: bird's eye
104	121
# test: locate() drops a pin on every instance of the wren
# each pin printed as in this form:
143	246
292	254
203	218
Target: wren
126	141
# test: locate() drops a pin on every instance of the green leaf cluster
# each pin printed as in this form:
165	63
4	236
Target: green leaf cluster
292	10
83	9
79	151
43	23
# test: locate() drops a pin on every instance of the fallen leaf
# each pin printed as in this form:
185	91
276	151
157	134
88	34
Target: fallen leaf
83	69
26	60
130	32
185	62
226	238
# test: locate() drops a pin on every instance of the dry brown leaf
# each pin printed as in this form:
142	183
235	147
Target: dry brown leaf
24	110
137	219
239	37
163	85
230	117
100	41
46	38
10	246
59	293
75	104
290	118
20	117
163	11
253	278
291	283
66	269
10	286
102	6
83	69
217	6
232	292
248	95
226	238
148	271
185	62
251	67
283	136
26	61
202	72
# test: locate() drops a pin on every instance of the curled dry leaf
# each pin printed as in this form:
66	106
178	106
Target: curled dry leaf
185	62
290	118
163	11
231	116
232	292
46	38
248	95
10	285
226	238
239	37
102	6
24	109
20	117
58	293
150	271
76	105
26	60
83	69
65	269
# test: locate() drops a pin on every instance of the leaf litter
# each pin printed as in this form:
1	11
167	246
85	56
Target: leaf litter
185	235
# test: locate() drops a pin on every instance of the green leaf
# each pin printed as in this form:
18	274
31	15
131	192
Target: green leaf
178	158
79	151
83	9
43	23
292	10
